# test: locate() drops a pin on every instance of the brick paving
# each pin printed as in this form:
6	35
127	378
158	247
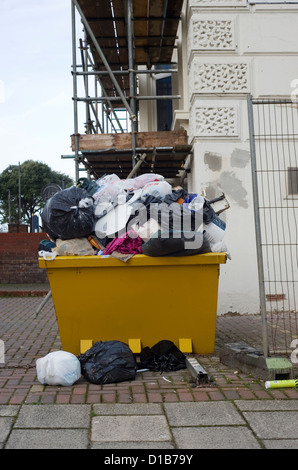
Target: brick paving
27	338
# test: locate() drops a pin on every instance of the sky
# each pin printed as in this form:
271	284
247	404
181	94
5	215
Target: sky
36	85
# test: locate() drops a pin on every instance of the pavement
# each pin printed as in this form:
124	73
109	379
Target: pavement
154	419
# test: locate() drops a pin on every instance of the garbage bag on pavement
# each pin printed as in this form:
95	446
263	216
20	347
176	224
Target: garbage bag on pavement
163	356
63	218
108	362
58	368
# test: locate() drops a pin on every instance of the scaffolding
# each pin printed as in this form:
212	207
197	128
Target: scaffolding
122	40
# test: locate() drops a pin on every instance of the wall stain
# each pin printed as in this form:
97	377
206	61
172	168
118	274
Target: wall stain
240	158
213	160
233	188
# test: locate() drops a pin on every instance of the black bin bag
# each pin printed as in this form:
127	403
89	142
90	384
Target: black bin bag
164	356
63	218
108	362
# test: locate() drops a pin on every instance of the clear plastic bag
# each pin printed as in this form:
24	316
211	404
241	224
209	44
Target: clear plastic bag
58	368
74	247
110	189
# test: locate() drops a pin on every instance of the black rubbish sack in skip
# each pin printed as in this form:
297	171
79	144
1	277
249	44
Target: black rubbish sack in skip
63	216
164	356
108	362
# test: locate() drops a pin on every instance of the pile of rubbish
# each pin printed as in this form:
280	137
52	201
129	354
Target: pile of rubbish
107	362
121	218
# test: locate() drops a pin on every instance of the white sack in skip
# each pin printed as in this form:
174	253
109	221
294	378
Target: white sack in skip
58	368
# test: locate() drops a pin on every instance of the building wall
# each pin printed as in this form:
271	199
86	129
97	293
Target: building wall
19	258
234	49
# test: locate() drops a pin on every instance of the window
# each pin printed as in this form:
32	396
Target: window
292	181
164	107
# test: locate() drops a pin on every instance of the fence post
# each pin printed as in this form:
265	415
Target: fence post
257	225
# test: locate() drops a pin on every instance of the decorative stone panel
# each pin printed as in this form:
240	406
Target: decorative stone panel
218	77
212	34
220	121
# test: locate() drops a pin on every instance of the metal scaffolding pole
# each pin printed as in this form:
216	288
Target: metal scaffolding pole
84	63
94	108
126	72
104	61
132	87
104	93
116	98
75	93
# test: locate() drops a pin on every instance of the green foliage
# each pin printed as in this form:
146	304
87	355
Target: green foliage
34	176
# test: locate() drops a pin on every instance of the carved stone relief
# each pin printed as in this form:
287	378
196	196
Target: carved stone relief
218	121
211	34
219	78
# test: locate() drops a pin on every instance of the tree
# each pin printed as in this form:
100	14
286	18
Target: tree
34	176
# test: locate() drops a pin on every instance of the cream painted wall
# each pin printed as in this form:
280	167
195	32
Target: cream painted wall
233	49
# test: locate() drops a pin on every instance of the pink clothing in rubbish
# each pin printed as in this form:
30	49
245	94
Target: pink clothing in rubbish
130	243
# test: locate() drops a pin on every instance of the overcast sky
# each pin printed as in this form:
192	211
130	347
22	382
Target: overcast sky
36	107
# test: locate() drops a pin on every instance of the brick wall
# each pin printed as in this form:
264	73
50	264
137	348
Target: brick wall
19	258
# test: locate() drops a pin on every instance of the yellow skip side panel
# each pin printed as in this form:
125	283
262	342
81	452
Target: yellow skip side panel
149	299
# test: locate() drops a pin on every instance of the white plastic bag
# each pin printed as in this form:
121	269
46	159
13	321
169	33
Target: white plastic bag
86	202
146	231
162	188
214	233
58	368
47	255
113	222
196	204
130	184
215	230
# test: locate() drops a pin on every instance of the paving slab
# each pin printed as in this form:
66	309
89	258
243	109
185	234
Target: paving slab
48	439
282	444
132	445
273	424
127	409
267	405
204	413
9	410
215	437
5	427
53	416
130	428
